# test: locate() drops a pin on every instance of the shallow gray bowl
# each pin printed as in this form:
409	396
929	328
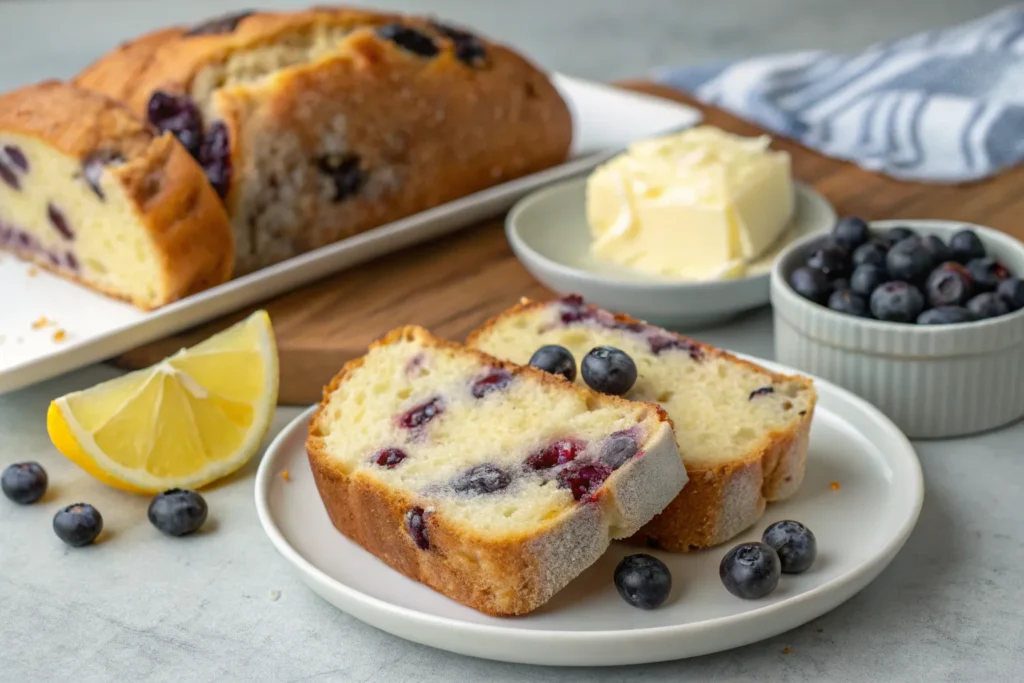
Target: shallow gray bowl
549	234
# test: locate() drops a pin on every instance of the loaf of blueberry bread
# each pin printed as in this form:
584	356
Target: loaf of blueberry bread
741	429
89	191
318	125
492	483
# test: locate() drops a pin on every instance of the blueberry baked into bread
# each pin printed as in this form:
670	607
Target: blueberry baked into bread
492	483
91	192
742	430
318	125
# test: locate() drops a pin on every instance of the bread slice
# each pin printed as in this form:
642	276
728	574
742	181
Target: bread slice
92	193
491	483
742	430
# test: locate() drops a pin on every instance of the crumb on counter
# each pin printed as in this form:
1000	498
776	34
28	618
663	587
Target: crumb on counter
40	323
285	475
834	486
787	651
275	596
60	335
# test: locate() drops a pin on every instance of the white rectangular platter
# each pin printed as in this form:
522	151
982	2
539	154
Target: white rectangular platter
95	328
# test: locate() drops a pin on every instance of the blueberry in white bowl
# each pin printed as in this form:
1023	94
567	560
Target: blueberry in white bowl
831	259
1011	291
966	246
949	285
909	260
867	278
811	283
851	232
986	273
987	305
898	302
873	254
849	302
945	315
898	234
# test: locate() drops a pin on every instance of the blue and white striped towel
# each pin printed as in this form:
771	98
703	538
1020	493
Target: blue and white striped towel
941	106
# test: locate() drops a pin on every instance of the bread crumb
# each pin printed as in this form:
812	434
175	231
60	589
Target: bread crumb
59	336
834	486
40	323
275	596
33	271
285	475
786	651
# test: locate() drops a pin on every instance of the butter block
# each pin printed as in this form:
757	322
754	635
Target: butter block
697	205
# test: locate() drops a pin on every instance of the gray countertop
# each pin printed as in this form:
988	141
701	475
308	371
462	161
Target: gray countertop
223	606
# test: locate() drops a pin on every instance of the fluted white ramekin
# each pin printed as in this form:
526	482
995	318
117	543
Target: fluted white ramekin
932	380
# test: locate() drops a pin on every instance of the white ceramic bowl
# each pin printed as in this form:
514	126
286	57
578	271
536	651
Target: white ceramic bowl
932	380
549	234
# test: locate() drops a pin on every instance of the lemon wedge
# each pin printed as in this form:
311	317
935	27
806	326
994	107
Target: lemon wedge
185	422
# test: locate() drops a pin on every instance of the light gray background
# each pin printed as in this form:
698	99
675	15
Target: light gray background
140	607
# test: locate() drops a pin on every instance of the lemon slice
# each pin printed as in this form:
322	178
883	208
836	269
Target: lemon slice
185	422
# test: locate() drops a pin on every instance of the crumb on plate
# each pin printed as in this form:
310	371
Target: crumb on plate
33	271
275	596
786	651
834	486
285	475
59	336
40	322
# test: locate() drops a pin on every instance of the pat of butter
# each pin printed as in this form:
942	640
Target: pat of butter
698	205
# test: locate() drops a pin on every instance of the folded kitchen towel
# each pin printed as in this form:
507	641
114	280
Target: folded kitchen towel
943	106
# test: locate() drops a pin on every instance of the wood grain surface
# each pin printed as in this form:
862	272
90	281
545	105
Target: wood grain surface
454	283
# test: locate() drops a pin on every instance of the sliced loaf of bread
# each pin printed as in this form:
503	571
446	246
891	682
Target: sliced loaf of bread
492	483
742	430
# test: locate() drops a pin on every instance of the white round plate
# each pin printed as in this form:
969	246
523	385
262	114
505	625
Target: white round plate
548	232
860	526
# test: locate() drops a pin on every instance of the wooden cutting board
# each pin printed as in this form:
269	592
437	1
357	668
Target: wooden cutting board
457	282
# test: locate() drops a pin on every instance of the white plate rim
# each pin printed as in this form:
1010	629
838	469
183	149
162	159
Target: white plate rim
870	567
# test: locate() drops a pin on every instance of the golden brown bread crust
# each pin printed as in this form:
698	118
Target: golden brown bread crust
171	198
424	130
499	577
720	501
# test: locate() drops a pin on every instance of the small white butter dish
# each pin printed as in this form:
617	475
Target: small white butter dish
933	381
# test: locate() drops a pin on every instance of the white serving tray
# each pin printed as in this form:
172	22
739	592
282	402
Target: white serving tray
605	120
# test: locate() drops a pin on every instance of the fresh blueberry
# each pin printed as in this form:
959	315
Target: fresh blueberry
555	359
937	248
872	253
811	283
215	157
794	543
851	232
608	370
643	581
78	525
945	315
948	285
987	305
177	512
897	302
867	278
178	115
909	260
965	246
987	273
898	234
24	482
830	258
1011	291
617	449
481	479
750	570
849	303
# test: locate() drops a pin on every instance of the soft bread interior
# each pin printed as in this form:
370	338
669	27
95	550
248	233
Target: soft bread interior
56	218
502	428
710	401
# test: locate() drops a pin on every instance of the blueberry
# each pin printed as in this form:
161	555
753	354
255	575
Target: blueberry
987	305
608	370
177	512
937	248
468	48
482	479
867	278
24	482
78	525
583	479
346	173
849	303
811	283
178	115
17	157
93	166
760	391
495	380
831	259
556	453
59	222
872	253
851	232
750	570
948	285
965	246
215	158
390	457
945	315
1011	291
987	273
898	234
794	543
617	449
416	525
643	581
555	359
409	39
840	284
909	260
897	302
420	415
